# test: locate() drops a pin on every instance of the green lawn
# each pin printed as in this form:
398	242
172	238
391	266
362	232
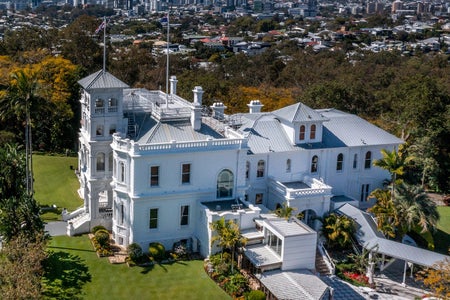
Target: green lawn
181	280
56	183
442	236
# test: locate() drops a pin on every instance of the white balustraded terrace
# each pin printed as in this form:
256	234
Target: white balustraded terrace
304	195
134	148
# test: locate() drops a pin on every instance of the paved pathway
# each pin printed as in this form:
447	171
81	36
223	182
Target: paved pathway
56	228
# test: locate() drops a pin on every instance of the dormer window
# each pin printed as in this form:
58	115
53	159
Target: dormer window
301	136
312	134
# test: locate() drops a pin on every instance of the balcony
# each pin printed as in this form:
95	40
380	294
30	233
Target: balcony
298	190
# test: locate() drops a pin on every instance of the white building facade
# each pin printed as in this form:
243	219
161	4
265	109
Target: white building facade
154	167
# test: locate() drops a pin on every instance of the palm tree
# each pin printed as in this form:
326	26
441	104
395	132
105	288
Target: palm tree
384	211
22	94
228	236
413	207
338	230
285	211
393	161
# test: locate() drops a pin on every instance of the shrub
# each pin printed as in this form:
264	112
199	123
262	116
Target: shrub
97	228
157	251
102	238
235	285
256	295
134	252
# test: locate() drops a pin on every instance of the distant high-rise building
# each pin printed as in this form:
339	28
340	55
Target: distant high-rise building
396	5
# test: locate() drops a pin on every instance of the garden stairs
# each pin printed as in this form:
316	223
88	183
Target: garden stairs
321	266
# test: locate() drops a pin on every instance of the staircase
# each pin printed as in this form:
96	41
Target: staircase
79	224
321	265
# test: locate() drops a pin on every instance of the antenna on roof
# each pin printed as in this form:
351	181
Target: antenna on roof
167	57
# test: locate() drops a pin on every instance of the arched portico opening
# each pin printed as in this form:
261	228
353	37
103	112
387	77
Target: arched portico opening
308	216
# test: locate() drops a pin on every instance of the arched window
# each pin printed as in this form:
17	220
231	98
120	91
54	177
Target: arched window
260	169
355	161
368	160
301	136
100	162
339	162
312	134
314	164
110	162
288	166
225	183
247	170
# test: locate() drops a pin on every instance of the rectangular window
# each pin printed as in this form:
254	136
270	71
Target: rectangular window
184	217
153	223
122	214
274	242
186	173
154	175
259	199
99	131
364	192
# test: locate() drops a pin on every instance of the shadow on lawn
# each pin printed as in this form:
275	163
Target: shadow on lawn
74	249
441	242
64	277
148	268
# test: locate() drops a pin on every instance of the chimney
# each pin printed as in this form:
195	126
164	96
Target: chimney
173	85
198	92
255	106
218	110
196	109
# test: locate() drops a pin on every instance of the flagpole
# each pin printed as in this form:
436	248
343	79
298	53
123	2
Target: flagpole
104	45
167	59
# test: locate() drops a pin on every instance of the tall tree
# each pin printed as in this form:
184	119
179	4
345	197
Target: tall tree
228	236
414	207
23	93
338	230
384	211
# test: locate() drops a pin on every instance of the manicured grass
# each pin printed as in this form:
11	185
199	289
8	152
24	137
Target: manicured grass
442	235
56	183
180	280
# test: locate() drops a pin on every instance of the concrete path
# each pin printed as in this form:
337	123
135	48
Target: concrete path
56	228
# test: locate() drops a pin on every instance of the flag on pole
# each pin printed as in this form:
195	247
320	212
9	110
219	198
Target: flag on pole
101	27
164	21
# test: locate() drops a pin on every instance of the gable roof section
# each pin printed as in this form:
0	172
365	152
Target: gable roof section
180	131
265	133
101	80
299	113
347	130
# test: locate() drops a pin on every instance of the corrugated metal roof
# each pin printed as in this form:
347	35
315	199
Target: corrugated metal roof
101	80
261	255
299	113
294	284
370	238
265	134
179	131
289	228
344	129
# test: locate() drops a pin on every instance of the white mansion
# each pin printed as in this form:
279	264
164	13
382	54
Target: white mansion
156	167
